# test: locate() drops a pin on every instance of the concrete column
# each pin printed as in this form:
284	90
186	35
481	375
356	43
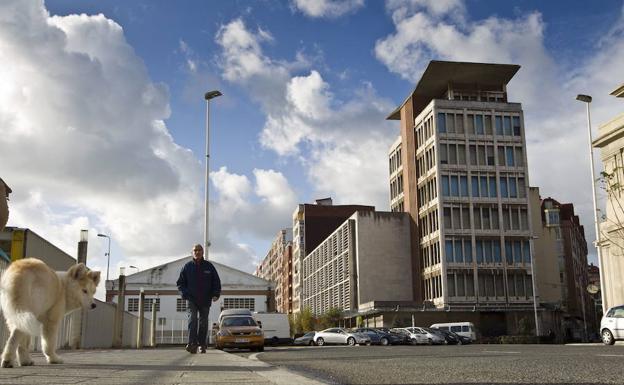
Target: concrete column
153	330
82	247
119	313
139	342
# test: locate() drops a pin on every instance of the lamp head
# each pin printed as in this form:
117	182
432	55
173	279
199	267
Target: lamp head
102	235
212	94
584	98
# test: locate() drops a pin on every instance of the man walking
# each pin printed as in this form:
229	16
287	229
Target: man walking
200	285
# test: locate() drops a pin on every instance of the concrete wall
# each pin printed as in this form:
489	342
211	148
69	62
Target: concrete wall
383	256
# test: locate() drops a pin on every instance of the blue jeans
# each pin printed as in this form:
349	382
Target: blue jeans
197	336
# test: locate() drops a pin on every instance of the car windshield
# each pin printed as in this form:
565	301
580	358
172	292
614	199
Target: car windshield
310	334
238	321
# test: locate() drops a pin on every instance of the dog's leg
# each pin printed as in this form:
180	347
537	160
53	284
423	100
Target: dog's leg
8	355
50	332
22	350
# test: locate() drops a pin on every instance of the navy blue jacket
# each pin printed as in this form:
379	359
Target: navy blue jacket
199	282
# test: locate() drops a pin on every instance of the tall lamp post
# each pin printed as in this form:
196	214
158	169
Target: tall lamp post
208	96
587	100
107	254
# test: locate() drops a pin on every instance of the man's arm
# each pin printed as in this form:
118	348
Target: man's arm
181	283
216	285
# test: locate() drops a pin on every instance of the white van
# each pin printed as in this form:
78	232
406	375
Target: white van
466	329
275	327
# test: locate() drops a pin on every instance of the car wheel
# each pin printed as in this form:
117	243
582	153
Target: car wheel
429	341
459	342
413	341
311	343
607	337
350	341
384	341
261	349
320	341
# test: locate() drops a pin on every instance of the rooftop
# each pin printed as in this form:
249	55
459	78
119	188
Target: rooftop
439	74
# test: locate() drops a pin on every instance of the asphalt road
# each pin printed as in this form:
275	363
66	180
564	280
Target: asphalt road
475	364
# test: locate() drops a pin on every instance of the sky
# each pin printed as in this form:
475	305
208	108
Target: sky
102	115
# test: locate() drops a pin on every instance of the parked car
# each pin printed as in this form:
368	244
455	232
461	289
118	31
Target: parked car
413	338
306	339
432	337
612	325
382	337
239	331
450	337
340	336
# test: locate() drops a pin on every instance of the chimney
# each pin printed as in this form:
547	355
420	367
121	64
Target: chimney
324	202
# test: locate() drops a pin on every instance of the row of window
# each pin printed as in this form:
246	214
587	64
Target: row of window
428	223
433	287
425	161
182	305
424	131
398	207
427	192
396	186
481	155
483	185
395	160
485	217
459	250
478	124
431	255
490	284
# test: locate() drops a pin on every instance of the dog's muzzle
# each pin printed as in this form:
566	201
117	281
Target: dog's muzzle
93	306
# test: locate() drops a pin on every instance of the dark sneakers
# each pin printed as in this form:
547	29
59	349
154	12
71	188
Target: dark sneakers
191	349
202	349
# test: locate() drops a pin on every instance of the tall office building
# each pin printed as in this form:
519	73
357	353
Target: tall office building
277	268
460	169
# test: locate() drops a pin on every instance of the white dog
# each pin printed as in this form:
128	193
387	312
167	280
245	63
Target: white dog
34	300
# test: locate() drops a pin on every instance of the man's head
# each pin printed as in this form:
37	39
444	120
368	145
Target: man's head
198	251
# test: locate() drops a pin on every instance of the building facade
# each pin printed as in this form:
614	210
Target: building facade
366	259
465	186
277	268
610	141
312	223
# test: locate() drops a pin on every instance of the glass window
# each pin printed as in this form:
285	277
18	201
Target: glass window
495	225
518	156
484	186
459	123
496	250
476	211
470	124
443	154
516	126
490	155
441	122
479	251
463	182
503	187
454	186
507	125
450	279
501	156
521	188
473	154
449	251
488	125
517	251
445	185
452	154
509	252
447	217
467	250
492	186
499	125
475	186
461	291
509	156
461	154
487	247
527	252
513	191
479	125
459	255
470	285
450	122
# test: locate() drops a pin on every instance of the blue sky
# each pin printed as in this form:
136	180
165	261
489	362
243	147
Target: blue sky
103	114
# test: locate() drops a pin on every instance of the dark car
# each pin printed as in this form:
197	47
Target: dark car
382	337
453	338
306	339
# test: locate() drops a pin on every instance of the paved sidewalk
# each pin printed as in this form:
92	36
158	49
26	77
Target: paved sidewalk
150	366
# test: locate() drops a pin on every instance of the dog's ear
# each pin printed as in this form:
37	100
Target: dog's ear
95	276
78	271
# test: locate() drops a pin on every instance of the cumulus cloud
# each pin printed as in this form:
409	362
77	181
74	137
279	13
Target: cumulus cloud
555	122
326	8
84	145
342	144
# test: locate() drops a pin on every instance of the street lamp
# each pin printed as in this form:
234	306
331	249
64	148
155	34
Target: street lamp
133	267
107	254
208	96
587	100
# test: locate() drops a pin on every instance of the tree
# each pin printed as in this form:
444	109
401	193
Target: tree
307	320
332	317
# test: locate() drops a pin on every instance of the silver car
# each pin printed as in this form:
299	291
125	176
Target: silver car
340	336
612	325
415	338
432	337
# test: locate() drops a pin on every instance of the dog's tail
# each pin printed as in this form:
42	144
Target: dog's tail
16	319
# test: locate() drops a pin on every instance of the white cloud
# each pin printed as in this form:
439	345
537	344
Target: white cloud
84	145
337	141
327	8
555	122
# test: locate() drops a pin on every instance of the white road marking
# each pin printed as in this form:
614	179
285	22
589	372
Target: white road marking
610	355
498	351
